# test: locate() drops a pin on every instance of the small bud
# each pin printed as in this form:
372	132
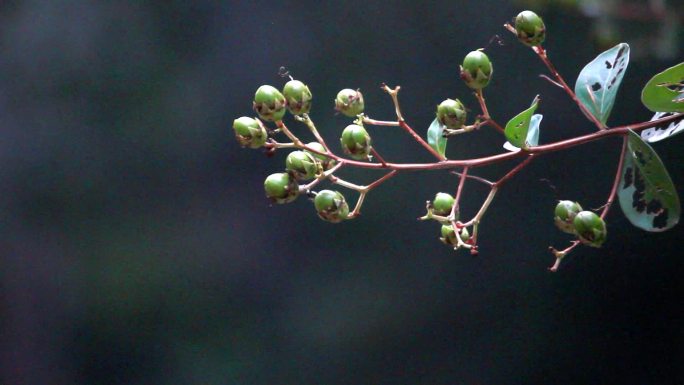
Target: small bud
465	235
269	103
476	70
302	165
326	163
442	204
590	228
530	28
281	188
298	97
356	142
349	102
331	206
448	235
565	213
249	132
451	113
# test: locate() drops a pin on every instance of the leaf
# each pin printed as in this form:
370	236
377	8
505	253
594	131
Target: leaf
516	128
646	193
598	82
662	131
532	134
435	138
665	91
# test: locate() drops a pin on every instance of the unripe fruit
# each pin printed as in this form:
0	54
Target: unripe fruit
442	204
476	70
465	235
448	235
565	213
249	132
356	142
302	165
269	103
530	28
451	113
281	188
326	163
349	102
298	97
590	228
331	206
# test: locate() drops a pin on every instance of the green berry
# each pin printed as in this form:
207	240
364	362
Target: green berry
565	213
356	142
476	70
349	102
442	204
590	228
249	132
331	206
281	188
298	97
302	165
448	235
326	163
530	28
269	103
451	113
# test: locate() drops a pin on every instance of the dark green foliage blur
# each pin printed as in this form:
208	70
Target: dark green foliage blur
137	247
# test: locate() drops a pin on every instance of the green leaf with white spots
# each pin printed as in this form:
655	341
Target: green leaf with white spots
646	193
435	137
598	82
517	128
665	91
532	134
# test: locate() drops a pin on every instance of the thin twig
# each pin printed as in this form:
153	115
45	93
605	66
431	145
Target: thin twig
618	177
541	52
377	155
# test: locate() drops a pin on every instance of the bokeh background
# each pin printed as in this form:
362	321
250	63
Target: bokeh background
136	246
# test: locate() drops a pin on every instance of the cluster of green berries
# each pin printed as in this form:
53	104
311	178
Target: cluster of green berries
302	165
441	206
271	104
589	228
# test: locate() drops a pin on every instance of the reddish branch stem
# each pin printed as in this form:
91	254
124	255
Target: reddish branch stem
459	191
407	128
618	177
541	52
493	159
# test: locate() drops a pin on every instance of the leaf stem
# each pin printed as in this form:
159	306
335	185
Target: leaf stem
618	177
541	52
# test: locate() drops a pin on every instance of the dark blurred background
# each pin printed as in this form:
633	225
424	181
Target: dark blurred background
137	248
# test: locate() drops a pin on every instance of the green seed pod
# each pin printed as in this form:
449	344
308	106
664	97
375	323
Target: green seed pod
590	228
269	103
530	28
331	206
249	132
302	165
349	102
281	188
298	97
448	235
565	213
356	142
451	113
465	235
476	70
326	163
442	204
